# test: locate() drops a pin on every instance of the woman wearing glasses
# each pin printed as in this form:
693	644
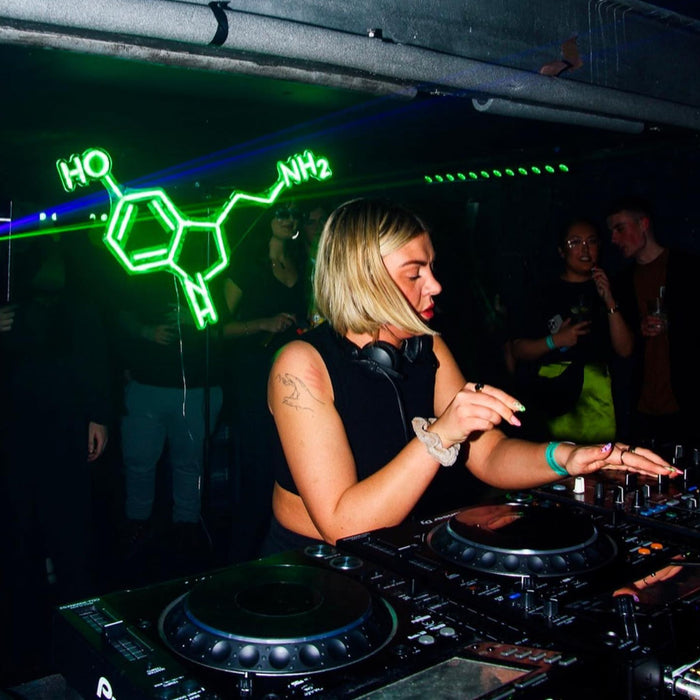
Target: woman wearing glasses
266	292
566	340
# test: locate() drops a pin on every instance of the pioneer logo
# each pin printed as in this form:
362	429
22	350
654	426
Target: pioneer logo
104	689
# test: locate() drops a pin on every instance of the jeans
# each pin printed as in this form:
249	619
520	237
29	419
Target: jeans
156	416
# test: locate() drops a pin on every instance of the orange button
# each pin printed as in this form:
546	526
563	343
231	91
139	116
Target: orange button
644	551
656	545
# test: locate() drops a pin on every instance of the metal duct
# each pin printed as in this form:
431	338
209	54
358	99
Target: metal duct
189	28
520	110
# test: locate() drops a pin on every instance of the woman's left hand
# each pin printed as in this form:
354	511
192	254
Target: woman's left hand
617	456
602	285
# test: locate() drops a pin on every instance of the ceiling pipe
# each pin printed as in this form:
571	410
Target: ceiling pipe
189	28
521	110
206	61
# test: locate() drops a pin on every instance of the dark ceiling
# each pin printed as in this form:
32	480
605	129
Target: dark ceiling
209	131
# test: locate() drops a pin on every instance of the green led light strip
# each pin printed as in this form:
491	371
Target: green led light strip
128	211
473	175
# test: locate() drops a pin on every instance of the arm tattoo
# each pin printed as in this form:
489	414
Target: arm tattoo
299	396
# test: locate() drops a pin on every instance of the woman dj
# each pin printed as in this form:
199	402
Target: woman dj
354	400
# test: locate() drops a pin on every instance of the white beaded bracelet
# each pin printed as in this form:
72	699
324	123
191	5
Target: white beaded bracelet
447	456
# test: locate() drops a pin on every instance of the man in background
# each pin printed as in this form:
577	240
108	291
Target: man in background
664	387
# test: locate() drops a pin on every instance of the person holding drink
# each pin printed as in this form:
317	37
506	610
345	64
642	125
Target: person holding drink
566	342
661	284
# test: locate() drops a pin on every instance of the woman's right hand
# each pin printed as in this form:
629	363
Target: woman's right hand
474	409
278	323
567	336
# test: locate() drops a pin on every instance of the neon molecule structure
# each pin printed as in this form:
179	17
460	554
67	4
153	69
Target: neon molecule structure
129	233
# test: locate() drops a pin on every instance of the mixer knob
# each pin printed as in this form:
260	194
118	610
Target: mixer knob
630	481
551	607
619	500
625	609
579	485
599	496
638	500
678	454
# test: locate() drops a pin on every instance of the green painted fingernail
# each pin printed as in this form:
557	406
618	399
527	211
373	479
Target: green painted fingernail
517	406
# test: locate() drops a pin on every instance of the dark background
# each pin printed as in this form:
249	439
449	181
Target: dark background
200	134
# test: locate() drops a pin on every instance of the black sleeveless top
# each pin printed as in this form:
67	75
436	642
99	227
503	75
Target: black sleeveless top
376	407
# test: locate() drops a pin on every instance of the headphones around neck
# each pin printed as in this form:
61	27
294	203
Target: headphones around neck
384	359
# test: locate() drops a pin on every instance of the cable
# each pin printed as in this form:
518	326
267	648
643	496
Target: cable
399	400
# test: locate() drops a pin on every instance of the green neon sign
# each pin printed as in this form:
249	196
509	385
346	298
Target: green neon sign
497	173
129	212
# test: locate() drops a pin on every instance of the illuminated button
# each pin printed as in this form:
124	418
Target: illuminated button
448	632
656	545
320	550
279	657
198	644
559	563
426	639
536	564
644	551
310	655
511	562
346	563
337	649
577	560
248	656
221	651
468	554
488	559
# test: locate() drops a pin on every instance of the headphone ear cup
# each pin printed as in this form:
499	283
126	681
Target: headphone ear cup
380	358
412	347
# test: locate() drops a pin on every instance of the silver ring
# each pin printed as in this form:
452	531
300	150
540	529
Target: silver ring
622	453
478	386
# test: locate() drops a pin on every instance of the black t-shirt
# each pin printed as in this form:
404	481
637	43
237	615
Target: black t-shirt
193	357
265	296
547	309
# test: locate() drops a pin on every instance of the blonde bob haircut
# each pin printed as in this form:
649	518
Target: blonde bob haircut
353	289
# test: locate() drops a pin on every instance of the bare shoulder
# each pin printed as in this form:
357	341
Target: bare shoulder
440	347
299	379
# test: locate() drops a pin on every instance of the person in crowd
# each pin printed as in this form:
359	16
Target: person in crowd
266	294
312	225
566	339
172	399
54	413
661	284
370	406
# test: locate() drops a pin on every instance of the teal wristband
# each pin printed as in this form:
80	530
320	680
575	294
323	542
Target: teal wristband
551	462
550	342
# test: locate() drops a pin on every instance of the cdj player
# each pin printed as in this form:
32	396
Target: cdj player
561	592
